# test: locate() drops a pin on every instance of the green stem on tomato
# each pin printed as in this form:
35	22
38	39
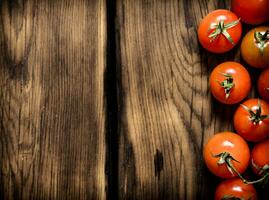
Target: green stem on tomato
230	197
264	172
222	28
257	116
262	38
263	179
226	158
227	84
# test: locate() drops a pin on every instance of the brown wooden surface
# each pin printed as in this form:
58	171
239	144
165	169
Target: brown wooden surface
106	99
167	111
52	138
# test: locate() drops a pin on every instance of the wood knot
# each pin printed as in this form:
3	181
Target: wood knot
158	163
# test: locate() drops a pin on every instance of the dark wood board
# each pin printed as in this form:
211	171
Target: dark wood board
52	58
167	112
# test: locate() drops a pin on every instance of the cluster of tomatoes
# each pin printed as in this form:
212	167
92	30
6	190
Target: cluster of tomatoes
227	154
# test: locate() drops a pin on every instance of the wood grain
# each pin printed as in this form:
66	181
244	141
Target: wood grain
106	99
52	58
167	112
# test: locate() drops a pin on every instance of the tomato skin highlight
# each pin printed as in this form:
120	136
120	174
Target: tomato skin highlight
241	80
250	50
263	85
248	129
260	156
221	44
235	188
226	142
251	11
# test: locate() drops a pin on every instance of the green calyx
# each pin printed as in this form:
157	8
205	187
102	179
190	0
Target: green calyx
261	38
222	28
227	84
230	197
261	170
257	116
226	158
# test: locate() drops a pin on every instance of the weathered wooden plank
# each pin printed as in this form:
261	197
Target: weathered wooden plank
52	63
167	112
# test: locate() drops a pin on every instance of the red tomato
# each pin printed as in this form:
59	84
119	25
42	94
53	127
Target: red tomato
251	120
260	157
263	84
226	147
255	47
219	31
230	82
235	189
251	11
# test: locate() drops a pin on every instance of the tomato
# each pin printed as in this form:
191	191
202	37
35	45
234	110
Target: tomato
251	120
255	47
219	31
251	11
263	84
230	82
235	189
223	149
260	157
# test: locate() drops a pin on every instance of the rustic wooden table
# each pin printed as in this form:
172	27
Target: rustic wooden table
106	99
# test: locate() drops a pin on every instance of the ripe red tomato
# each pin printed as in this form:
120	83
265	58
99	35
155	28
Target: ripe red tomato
235	189
219	31
255	47
230	82
226	148
251	120
263	84
251	11
260	158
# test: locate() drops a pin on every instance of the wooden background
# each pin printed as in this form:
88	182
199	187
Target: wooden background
106	99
